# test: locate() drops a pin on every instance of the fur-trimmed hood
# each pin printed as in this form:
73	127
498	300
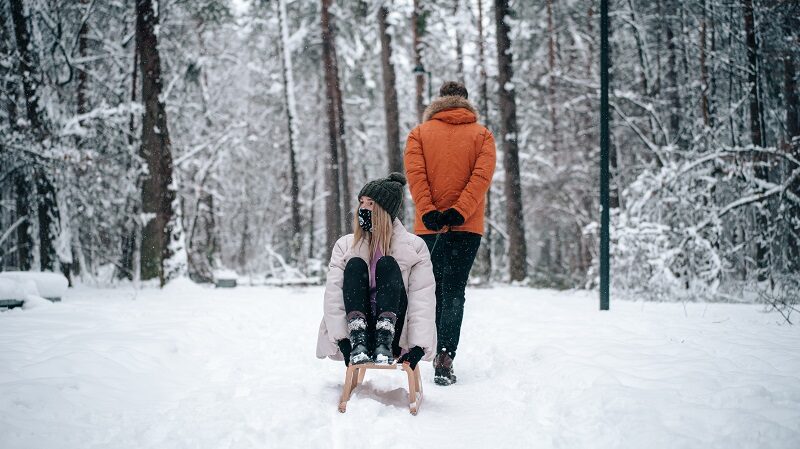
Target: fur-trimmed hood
452	102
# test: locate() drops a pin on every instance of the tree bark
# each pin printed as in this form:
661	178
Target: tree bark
639	50
21	202
81	98
459	42
47	211
791	22
45	198
551	83
518	269
288	96
333	211
83	43
485	253
157	195
130	229
418	28
27	66
659	35
703	69
391	113
752	74
311	212
792	104
756	135
672	78
341	143
792	238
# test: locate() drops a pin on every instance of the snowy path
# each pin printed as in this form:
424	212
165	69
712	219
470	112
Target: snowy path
190	367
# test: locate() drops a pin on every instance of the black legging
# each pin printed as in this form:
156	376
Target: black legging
452	259
390	295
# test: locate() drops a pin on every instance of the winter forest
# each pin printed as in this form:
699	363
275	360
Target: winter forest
152	139
179	180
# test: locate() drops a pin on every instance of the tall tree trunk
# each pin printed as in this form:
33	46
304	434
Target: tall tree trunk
48	220
81	99
590	32
20	178
157	195
752	74
391	113
333	211
756	135
22	201
311	212
712	108
45	198
341	143
703	69
459	41
639	49
27	67
643	62
83	40
791	23
244	242
288	96
130	229
418	28
659	36
551	82
672	77
732	126
485	253
518	251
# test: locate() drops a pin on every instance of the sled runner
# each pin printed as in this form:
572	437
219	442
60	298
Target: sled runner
355	375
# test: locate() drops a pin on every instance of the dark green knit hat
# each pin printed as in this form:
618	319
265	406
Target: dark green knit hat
387	192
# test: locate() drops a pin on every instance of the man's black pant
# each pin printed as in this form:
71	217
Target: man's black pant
452	255
390	295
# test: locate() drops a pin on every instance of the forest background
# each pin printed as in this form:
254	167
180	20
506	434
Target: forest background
149	139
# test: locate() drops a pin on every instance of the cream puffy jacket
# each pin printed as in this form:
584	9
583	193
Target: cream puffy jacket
412	256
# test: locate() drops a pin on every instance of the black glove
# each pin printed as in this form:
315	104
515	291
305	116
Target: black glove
451	217
412	357
432	220
345	347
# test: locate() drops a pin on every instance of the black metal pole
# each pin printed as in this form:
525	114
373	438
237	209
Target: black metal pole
604	143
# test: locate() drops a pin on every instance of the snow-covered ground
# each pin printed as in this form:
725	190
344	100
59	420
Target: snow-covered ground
194	367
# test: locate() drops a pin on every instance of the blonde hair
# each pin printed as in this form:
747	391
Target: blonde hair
382	228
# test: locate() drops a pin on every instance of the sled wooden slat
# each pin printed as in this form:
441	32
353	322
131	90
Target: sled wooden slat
354	376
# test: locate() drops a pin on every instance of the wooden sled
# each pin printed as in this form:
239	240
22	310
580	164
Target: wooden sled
355	376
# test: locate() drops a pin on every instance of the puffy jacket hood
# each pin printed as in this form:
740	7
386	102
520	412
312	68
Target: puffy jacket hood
450	160
454	110
413	258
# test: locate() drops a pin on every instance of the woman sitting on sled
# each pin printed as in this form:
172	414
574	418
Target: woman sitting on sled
380	295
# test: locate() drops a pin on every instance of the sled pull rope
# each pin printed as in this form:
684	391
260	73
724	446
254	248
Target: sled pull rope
435	241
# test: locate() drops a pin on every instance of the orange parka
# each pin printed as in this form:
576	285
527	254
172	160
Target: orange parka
450	161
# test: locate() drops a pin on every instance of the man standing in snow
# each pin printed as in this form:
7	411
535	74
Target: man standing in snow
450	160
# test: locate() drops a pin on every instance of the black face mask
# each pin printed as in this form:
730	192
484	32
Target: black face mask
365	219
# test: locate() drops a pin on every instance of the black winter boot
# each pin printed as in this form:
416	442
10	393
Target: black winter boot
443	369
357	324
384	336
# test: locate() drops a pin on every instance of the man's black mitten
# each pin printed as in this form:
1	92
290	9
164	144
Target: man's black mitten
432	220
345	347
412	357
452	217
